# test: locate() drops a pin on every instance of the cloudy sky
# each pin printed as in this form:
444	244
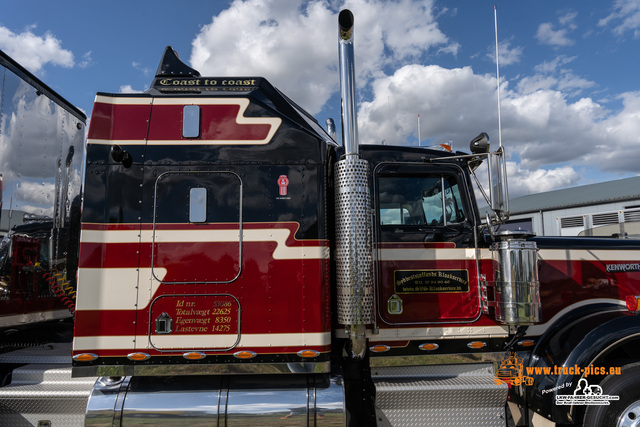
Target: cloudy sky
569	79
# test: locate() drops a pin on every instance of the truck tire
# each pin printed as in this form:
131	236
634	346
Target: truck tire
624	412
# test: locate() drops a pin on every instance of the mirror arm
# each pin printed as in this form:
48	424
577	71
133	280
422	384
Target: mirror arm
463	156
484	194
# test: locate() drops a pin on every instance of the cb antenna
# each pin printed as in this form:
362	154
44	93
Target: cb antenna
495	19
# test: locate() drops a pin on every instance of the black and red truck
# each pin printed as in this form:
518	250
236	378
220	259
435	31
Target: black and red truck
237	266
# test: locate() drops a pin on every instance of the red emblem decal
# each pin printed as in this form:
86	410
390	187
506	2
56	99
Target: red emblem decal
283	181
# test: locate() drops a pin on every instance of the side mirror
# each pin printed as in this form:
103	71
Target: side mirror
480	144
498	183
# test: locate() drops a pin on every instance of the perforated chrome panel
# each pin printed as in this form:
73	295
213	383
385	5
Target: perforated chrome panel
354	262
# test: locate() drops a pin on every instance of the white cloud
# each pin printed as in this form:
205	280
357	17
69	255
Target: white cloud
129	89
568	20
553	75
546	34
554	65
33	51
87	60
573	85
618	146
523	181
542	130
146	71
294	43
507	55
295	51
530	84
547	131
450	104
626	16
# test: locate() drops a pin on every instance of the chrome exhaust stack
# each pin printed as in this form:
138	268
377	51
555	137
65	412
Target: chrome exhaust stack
354	249
347	84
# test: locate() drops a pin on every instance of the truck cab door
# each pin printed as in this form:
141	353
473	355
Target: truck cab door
426	269
196	255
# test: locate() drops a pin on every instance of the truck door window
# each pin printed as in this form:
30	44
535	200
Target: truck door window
432	200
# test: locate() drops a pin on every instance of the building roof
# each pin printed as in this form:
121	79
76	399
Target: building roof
592	194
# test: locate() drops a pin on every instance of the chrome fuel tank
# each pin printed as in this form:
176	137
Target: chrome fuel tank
516	278
301	400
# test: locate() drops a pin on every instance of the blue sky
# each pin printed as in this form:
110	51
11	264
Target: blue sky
569	70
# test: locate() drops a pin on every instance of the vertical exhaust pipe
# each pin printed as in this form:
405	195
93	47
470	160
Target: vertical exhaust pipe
347	83
354	250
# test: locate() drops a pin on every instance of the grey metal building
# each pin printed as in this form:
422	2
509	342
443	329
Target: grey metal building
602	209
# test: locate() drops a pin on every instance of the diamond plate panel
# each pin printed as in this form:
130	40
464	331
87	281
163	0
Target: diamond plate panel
40	393
45	353
449	395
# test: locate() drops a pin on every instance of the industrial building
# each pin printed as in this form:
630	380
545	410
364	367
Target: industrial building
602	209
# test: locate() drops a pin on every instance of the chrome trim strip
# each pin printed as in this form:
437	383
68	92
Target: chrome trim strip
203	369
268	341
432	333
437	359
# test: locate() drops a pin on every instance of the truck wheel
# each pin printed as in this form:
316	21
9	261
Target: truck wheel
624	412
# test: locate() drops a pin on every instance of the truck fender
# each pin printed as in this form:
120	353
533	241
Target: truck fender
569	349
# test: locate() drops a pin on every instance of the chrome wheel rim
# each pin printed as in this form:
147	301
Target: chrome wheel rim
630	417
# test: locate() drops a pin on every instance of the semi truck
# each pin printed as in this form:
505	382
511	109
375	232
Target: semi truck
238	266
41	158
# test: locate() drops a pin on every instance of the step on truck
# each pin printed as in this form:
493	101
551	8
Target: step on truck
237	266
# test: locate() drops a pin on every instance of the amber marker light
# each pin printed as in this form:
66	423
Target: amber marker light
526	343
244	354
85	357
194	355
308	353
429	346
380	348
633	302
138	357
477	344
